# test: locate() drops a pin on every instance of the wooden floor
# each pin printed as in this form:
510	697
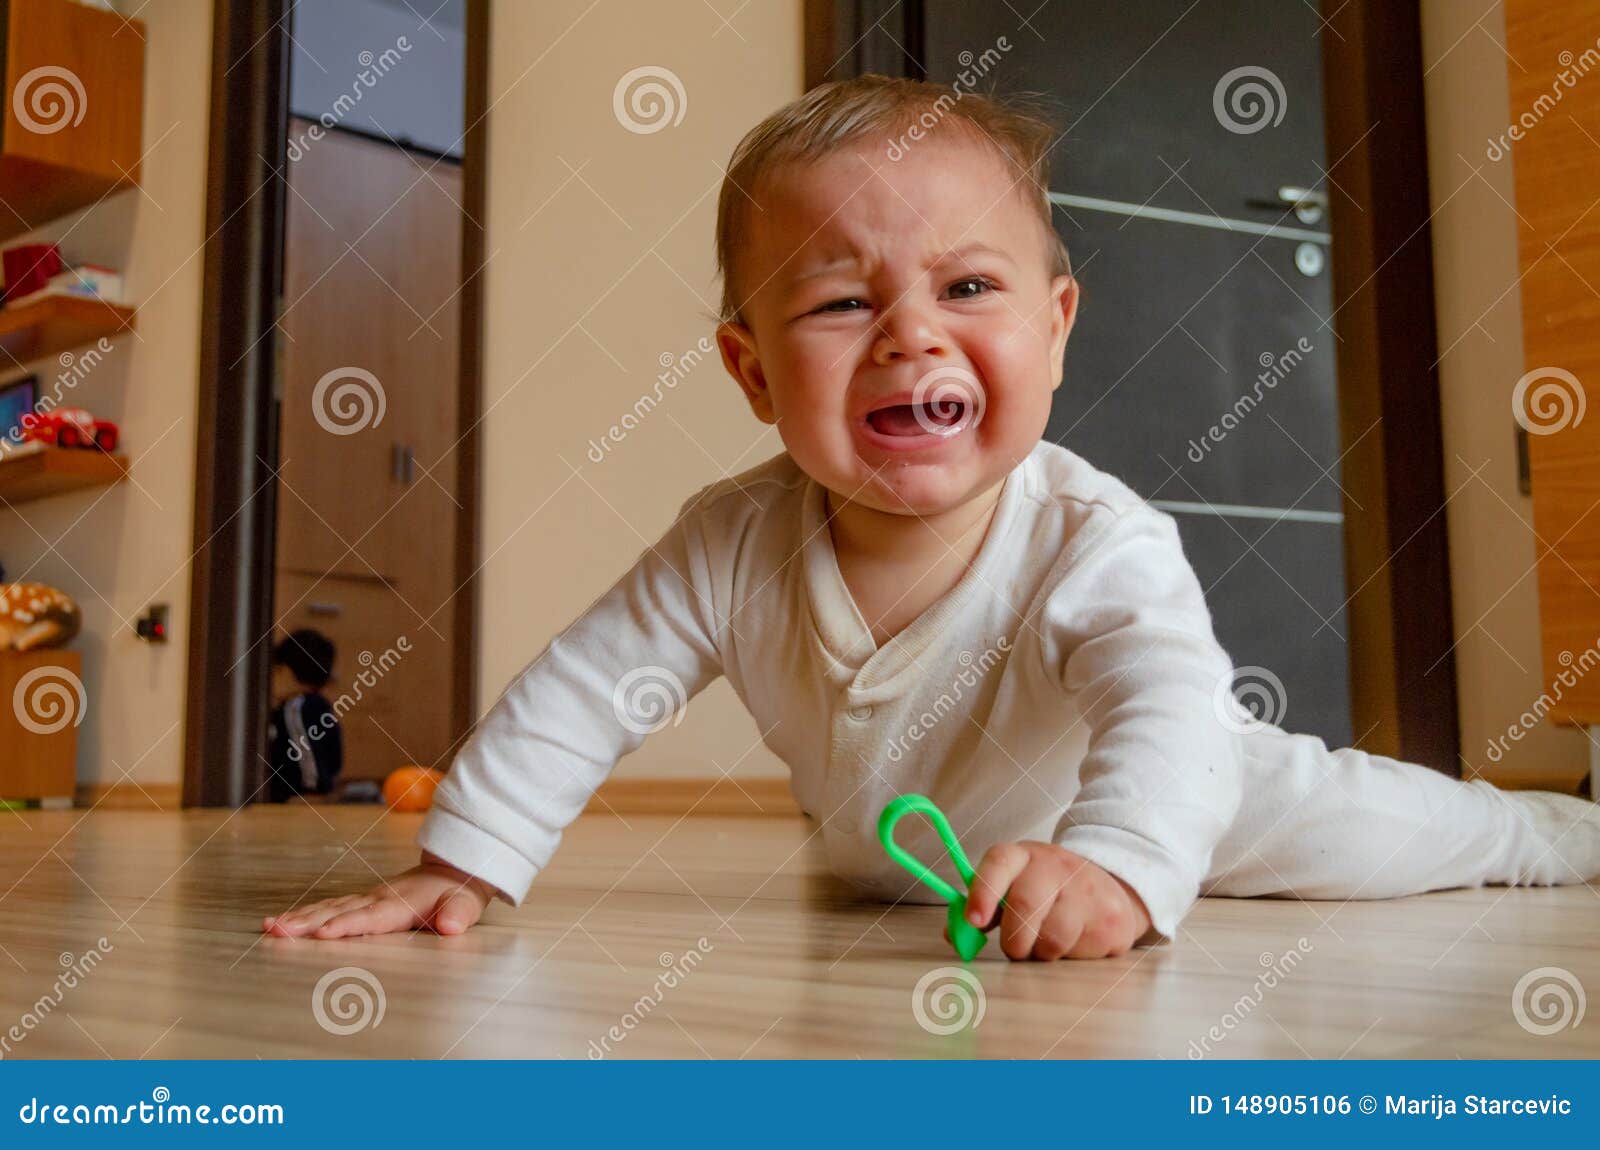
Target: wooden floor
791	964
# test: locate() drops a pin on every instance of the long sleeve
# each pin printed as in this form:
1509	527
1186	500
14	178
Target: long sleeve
1132	644
622	670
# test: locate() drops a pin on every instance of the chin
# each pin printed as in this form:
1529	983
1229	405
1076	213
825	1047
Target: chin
925	489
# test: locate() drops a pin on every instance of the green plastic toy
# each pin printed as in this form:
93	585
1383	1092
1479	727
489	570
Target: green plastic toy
966	938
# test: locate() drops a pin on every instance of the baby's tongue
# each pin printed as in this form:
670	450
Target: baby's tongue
911	419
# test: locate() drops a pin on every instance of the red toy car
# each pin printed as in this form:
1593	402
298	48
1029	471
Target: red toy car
69	427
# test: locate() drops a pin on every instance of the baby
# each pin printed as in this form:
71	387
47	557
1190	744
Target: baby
918	595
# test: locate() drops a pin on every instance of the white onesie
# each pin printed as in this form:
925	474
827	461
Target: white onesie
1069	689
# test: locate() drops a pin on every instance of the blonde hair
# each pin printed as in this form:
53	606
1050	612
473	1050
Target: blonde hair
835	114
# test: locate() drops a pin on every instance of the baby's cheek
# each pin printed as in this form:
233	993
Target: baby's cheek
1019	368
821	450
1015	416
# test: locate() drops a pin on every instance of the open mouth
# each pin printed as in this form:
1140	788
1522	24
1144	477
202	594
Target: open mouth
910	419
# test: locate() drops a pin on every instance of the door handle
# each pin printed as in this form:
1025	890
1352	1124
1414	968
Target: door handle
1289	194
1524	464
402	464
1309	206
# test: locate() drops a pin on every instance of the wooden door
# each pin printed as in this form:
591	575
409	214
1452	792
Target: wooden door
367	506
1556	158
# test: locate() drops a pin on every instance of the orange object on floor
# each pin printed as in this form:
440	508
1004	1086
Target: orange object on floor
410	788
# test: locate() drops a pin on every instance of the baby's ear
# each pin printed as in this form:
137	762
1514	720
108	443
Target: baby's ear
738	347
1063	314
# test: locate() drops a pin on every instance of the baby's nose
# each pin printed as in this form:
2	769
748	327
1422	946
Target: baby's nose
904	336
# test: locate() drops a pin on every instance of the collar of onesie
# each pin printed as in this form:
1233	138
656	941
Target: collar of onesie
837	624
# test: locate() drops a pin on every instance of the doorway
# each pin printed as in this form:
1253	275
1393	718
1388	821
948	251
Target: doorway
337	478
1203	370
1238	187
367	507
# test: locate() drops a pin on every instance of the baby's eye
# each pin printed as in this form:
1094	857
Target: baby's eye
841	305
970	287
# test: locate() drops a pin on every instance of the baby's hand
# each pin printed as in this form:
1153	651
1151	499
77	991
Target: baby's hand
432	895
1058	904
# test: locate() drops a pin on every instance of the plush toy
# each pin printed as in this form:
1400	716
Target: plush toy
33	615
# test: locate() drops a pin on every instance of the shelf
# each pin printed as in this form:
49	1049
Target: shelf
53	470
73	123
59	323
39	192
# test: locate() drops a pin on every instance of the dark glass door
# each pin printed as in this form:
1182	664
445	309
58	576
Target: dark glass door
1189	188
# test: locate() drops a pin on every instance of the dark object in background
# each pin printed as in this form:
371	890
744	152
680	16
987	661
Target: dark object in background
305	750
152	625
308	654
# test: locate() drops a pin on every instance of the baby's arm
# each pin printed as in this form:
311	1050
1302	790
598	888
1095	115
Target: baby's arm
638	654
1128	635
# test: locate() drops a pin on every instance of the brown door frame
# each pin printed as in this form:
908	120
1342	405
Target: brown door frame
236	451
1402	635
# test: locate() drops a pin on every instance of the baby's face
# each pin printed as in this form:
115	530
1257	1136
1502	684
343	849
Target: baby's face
902	328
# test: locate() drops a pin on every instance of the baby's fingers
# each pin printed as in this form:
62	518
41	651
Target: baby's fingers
304	920
456	912
381	917
998	868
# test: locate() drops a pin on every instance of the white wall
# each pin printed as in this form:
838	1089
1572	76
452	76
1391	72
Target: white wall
1479	318
118	549
601	242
